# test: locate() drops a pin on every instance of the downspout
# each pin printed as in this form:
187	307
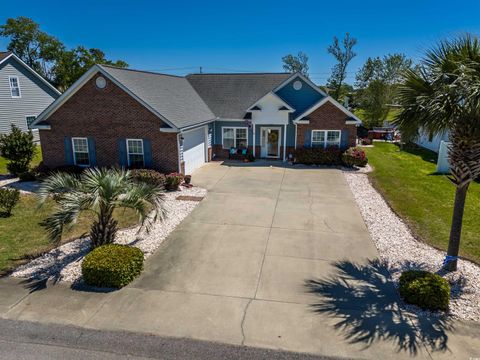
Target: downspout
295	136
285	142
178	151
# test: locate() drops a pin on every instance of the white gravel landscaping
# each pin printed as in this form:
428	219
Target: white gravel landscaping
64	262
401	251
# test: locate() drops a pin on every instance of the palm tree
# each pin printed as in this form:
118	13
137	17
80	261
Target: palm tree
99	191
443	96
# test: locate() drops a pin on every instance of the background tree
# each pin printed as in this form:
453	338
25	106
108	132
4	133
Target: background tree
48	56
72	64
343	53
377	83
99	191
19	149
299	63
36	48
443	95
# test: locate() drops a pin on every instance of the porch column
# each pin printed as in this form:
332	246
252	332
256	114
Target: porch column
253	132
285	142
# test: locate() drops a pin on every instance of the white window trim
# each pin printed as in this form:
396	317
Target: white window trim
73	151
326	133
11	88
26	121
128	152
234	134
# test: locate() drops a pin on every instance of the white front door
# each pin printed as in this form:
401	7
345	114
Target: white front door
270	138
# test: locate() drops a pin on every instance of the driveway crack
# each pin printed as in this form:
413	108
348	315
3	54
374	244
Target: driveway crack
243	320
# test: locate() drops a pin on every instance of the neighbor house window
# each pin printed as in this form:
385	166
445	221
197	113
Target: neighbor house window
14	87
136	158
30	120
234	137
325	138
80	151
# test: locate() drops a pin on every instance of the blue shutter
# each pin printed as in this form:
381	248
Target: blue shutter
92	151
147	153
122	152
344	139
68	150
307	139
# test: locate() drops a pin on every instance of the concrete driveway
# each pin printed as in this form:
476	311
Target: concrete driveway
244	267
274	257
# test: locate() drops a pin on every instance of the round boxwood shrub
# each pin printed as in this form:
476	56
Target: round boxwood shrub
426	290
112	265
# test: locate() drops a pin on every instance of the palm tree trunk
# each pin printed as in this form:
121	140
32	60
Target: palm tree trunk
456	229
104	230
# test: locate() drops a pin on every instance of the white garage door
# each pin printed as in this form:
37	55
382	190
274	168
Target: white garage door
193	149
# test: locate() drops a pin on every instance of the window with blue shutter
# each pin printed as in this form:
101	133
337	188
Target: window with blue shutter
307	139
68	150
92	151
147	151
122	152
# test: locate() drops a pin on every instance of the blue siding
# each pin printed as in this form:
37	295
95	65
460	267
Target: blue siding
220	124
290	134
301	99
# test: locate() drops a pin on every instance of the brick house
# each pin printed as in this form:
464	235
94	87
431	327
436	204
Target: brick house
131	118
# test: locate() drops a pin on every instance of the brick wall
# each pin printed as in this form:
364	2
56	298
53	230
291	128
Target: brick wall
107	115
327	117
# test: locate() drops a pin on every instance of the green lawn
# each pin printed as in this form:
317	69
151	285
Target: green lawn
21	235
424	199
390	116
36	160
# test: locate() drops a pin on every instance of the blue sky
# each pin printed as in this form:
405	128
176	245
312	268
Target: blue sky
224	36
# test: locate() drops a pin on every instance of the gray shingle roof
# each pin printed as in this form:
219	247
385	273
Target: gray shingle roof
230	95
171	96
4	54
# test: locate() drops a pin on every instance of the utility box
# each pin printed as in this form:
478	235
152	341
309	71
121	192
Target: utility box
443	165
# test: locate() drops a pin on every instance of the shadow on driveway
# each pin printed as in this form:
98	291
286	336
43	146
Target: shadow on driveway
368	309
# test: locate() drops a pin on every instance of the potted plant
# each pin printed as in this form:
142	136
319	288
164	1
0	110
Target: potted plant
173	181
187	179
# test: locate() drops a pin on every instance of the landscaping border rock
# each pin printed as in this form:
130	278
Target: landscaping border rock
401	251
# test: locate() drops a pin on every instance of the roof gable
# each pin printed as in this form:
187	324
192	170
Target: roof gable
171	98
302	97
9	56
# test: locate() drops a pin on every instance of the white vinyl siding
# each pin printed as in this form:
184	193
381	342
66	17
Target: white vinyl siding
36	96
326	138
234	137
81	156
135	154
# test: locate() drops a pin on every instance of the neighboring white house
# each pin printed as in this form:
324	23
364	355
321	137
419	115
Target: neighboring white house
439	144
24	94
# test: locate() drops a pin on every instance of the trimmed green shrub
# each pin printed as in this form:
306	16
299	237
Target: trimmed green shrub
112	265
354	157
148	176
319	156
27	176
17	147
8	199
426	290
173	181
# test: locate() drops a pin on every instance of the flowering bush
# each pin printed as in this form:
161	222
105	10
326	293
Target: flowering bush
173	181
354	157
319	156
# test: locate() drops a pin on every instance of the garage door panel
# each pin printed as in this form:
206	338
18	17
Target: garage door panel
194	150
